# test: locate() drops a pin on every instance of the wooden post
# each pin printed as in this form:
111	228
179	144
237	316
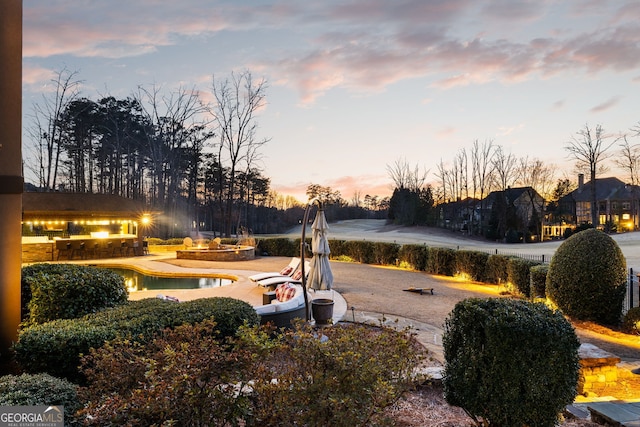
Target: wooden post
11	181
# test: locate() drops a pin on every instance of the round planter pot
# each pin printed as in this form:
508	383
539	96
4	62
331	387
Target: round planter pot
322	311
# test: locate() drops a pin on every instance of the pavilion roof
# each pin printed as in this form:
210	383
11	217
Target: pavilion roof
79	205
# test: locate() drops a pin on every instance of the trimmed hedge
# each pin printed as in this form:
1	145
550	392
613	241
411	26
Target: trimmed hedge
497	269
509	362
385	253
414	255
538	281
67	291
359	251
278	246
473	264
441	261
40	390
55	347
519	276
337	248
587	277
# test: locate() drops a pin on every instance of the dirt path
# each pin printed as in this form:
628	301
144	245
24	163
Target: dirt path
380	289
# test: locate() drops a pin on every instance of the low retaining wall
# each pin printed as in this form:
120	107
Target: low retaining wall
38	252
234	253
598	369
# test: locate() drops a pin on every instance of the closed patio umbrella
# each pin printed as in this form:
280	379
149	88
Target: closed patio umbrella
320	275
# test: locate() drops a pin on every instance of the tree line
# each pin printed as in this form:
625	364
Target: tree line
196	162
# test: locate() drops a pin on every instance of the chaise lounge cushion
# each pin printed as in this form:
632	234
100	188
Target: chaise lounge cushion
296	301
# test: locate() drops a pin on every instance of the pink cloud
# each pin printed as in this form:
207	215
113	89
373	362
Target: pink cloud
358	45
34	75
113	29
373	185
606	105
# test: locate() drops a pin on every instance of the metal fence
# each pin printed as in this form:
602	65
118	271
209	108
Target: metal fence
544	259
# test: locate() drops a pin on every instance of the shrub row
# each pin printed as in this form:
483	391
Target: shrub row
66	291
476	265
55	347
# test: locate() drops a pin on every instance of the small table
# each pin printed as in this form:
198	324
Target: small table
267	297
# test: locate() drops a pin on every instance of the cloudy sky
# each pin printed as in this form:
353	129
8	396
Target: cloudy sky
355	85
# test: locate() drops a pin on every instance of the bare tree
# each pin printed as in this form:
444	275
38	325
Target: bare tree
482	170
505	168
174	142
356	199
629	160
237	101
589	149
538	178
536	174
404	177
442	176
47	127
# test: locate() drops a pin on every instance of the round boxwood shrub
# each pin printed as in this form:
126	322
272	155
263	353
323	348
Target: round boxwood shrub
40	390
67	291
587	277
509	362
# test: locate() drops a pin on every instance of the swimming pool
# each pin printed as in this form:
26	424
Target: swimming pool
136	281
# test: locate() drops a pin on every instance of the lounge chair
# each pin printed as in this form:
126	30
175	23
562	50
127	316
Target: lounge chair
294	278
289	270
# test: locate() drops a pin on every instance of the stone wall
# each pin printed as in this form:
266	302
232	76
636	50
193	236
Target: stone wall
38	252
598	369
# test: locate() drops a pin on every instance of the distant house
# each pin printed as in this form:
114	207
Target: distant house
512	210
617	204
460	215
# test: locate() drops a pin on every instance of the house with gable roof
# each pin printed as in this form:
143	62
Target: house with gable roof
514	210
617	204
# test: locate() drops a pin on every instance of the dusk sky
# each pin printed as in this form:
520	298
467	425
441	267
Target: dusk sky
355	85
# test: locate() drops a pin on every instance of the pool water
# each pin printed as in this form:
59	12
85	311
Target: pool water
136	281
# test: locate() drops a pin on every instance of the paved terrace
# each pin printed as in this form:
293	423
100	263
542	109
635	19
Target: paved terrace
347	275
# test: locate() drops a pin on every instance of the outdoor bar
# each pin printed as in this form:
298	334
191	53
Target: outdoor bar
57	225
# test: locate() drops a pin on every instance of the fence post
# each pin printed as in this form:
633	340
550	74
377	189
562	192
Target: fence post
630	290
